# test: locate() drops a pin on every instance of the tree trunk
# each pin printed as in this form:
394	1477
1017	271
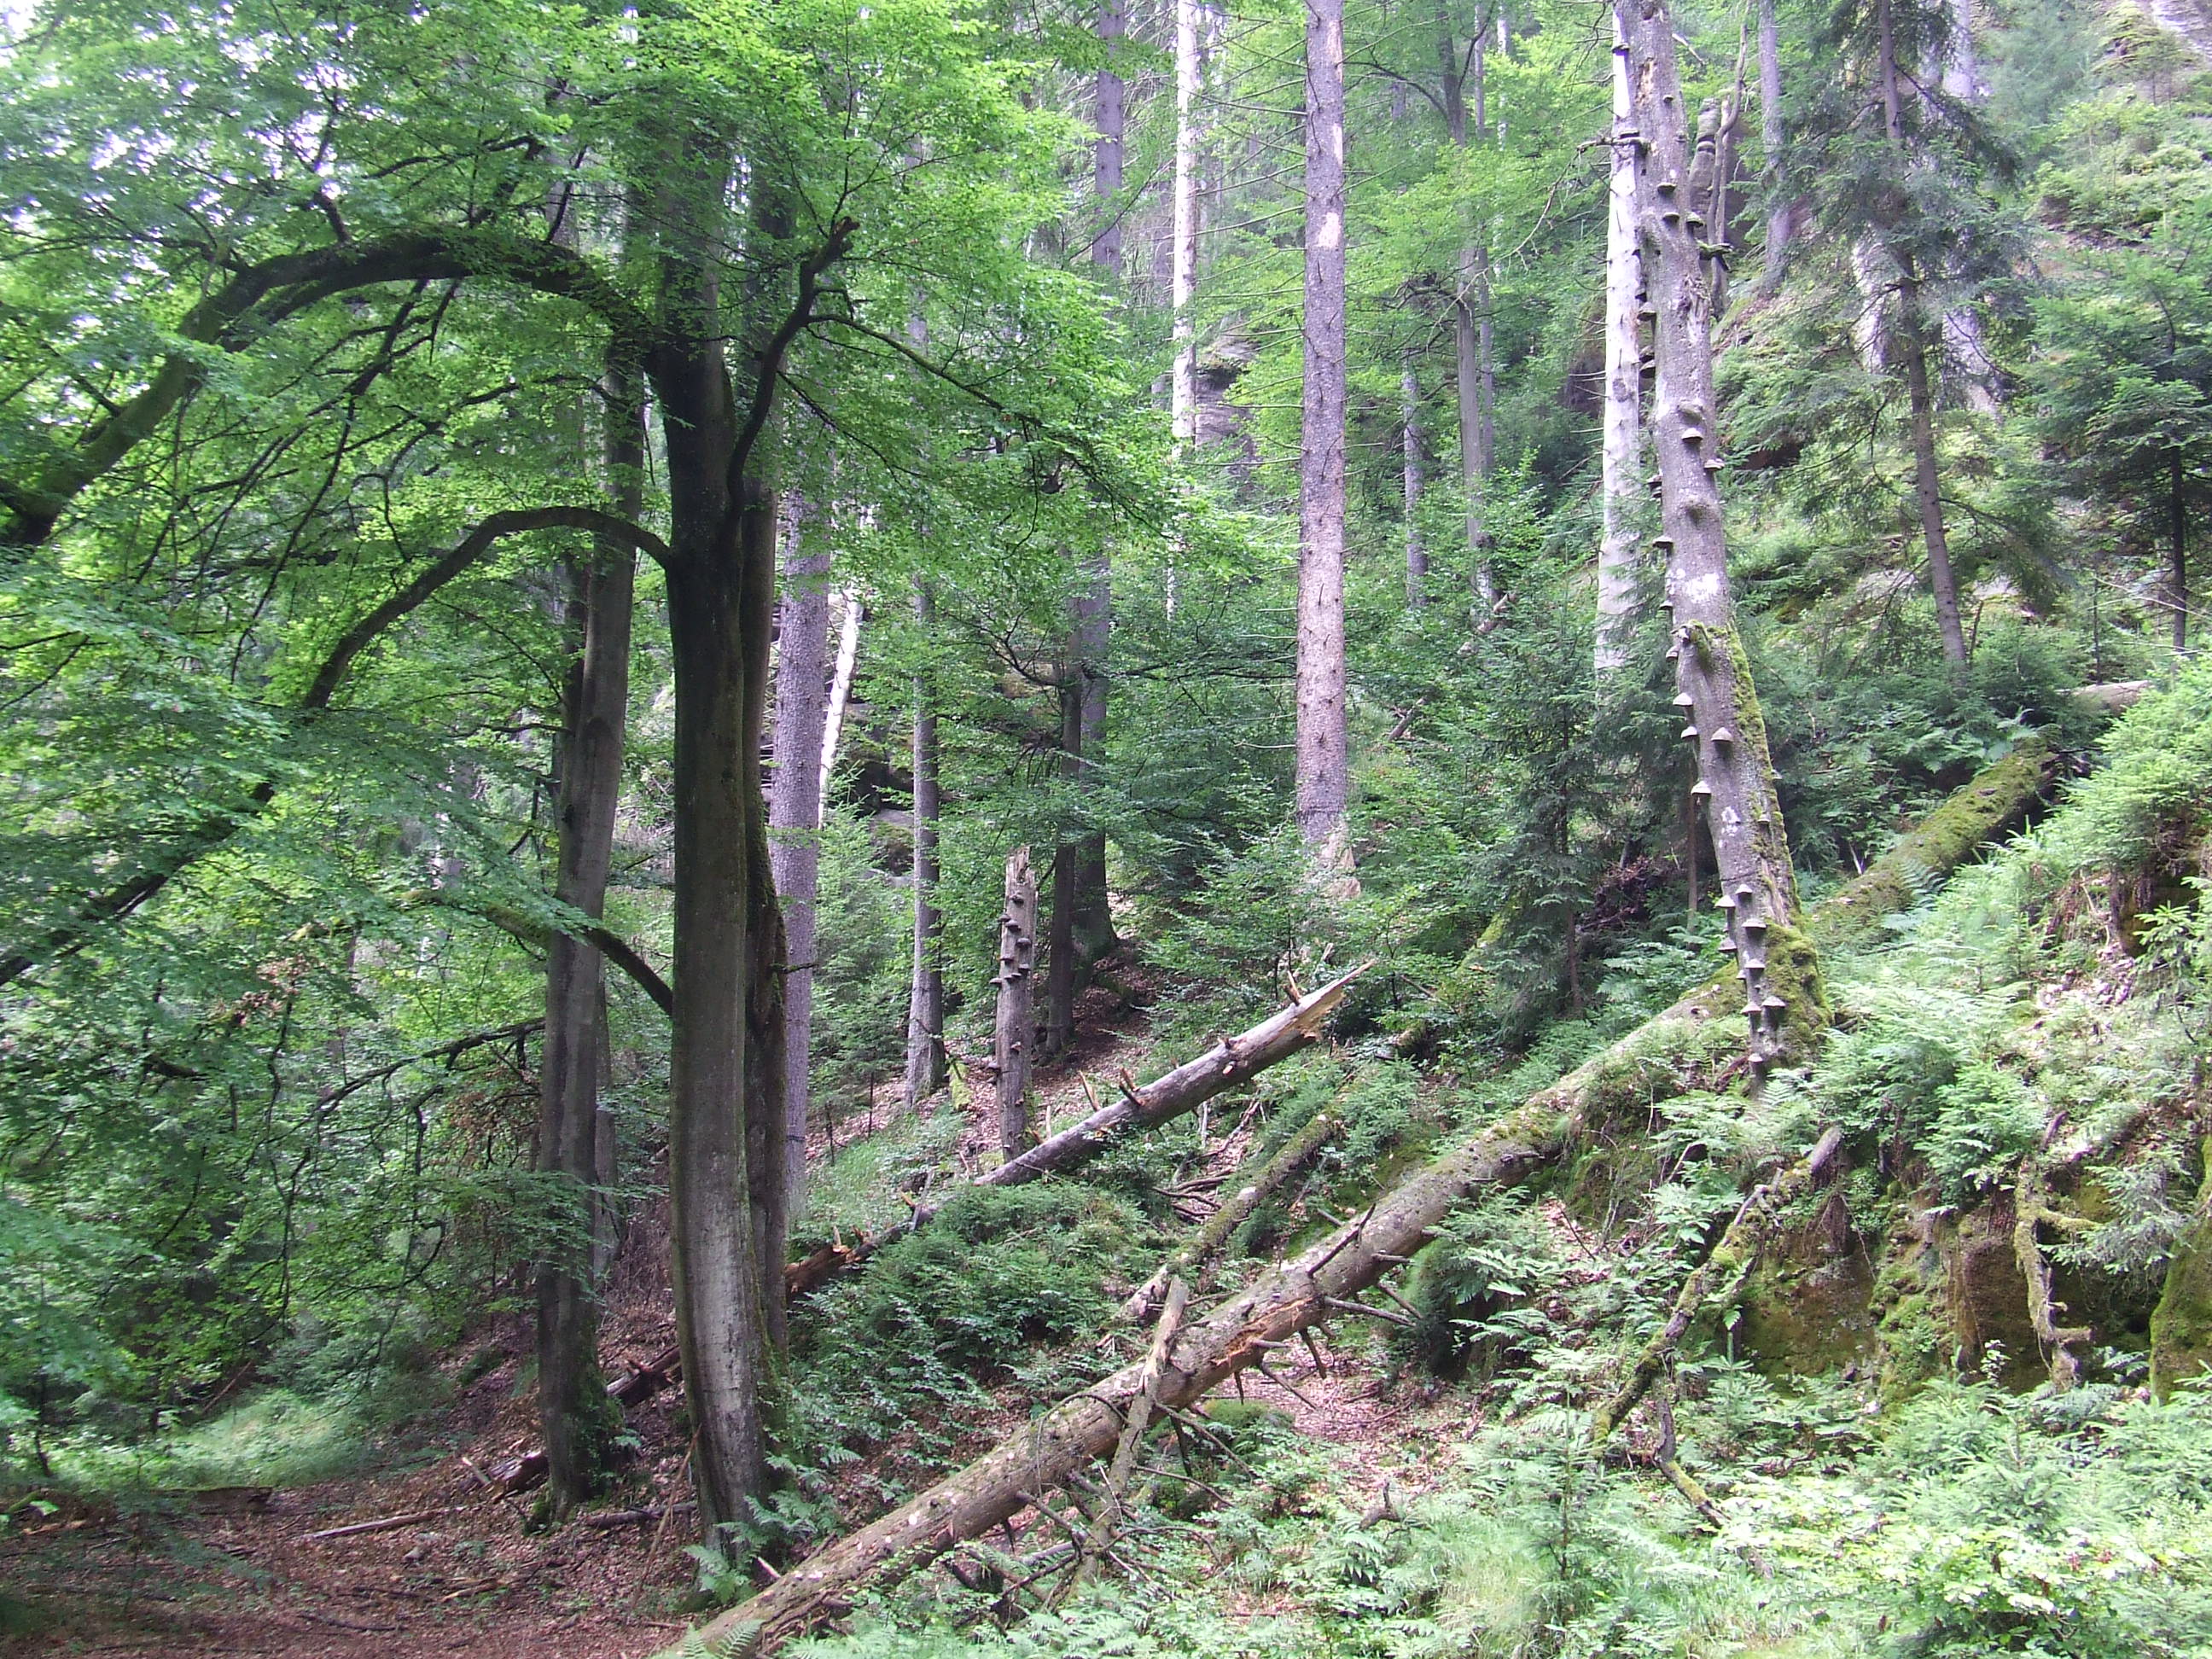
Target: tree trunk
725	1095
924	1007
1912	344
1107	154
1082	924
794	807
1079	915
1183	256
1471	343
572	1411
721	1321
1771	139
1416	552
1323	744
1783	1002
1094	633
1015	1032
849	613
1621	459
2176	572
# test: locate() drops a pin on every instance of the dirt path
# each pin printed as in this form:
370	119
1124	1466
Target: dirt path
238	1573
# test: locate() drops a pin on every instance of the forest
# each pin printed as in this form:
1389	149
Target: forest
1363	829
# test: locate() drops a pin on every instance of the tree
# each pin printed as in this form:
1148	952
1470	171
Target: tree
1783	1000
572	1407
794	811
2123	368
1911	203
1622	443
1323	744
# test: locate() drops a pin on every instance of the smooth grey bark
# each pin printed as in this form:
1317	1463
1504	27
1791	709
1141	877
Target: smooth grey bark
1757	888
925	1008
795	806
1913	345
574	1141
1108	153
1621	457
1415	481
1015	1030
725	1051
1323	764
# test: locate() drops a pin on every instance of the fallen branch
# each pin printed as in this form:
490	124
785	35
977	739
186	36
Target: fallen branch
1230	1216
1140	1418
389	1524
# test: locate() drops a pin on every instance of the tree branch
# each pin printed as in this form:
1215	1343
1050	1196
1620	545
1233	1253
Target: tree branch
261	294
212	831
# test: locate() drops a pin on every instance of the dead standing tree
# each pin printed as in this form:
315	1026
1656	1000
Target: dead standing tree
1776	962
1010	1052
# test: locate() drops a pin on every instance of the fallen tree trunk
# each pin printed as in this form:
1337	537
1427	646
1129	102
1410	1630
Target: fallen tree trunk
1229	1061
1995	800
1651	1062
1240	1334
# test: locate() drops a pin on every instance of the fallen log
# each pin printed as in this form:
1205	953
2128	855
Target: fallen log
1995	800
1237	1336
1649	1063
1228	1062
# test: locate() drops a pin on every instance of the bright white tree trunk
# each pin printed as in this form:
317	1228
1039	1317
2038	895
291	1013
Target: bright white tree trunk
848	607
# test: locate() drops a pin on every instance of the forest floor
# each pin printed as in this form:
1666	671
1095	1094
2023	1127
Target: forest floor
238	1571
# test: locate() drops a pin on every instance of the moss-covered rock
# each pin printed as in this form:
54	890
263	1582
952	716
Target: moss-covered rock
1808	1307
2181	1328
1987	1297
1914	1343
